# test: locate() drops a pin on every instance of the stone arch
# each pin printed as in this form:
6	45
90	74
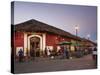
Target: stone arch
40	37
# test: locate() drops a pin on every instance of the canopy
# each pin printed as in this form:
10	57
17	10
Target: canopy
76	44
64	43
69	43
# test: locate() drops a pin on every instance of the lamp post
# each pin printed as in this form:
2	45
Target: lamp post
76	29
88	36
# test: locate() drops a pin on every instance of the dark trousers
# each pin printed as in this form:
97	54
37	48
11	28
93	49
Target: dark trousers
20	58
95	59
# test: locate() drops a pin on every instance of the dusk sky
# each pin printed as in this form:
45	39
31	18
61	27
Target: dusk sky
62	16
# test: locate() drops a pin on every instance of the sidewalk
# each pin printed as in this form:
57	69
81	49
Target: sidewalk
47	64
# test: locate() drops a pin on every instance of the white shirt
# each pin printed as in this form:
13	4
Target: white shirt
94	52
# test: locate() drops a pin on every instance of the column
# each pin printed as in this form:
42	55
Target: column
25	43
44	41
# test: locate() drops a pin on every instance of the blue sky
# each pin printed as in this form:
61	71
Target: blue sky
62	16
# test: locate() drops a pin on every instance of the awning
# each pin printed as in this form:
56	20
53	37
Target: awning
69	43
64	43
76	44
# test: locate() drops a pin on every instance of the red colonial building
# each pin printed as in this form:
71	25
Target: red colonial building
36	35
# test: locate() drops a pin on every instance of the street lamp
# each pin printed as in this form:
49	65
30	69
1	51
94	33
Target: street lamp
88	36
76	28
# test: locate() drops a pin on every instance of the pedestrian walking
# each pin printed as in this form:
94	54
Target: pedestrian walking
94	55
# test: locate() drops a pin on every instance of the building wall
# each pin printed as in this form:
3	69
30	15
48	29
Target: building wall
65	39
18	41
52	40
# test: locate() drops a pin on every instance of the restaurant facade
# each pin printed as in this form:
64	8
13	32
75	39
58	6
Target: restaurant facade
36	35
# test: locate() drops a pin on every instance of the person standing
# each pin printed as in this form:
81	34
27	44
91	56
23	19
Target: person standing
32	53
48	52
45	52
21	54
65	52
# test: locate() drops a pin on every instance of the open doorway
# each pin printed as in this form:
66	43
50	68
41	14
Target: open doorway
35	46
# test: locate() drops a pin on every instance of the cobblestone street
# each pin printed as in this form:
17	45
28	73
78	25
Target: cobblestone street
47	64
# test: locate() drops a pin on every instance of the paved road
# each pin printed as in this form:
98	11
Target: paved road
46	64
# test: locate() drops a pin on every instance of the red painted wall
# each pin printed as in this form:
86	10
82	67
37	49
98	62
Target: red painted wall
53	40
19	39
